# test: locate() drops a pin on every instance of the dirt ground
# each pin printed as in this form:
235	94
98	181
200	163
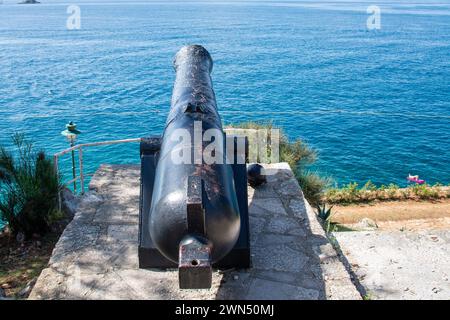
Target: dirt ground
403	252
21	264
397	215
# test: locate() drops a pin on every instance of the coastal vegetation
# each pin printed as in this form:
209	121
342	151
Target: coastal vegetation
29	190
388	207
299	156
319	192
317	189
369	192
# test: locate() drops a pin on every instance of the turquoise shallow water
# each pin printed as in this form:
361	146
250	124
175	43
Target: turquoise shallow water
376	104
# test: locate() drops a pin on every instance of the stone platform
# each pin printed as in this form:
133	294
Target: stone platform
400	264
96	256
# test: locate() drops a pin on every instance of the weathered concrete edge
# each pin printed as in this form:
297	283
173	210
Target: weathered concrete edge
335	268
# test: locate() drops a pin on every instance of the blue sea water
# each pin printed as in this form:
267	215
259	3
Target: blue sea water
375	103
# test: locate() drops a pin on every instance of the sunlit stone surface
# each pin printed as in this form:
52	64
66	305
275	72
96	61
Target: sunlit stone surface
96	257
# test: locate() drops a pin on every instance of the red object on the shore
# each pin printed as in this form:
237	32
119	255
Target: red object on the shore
415	179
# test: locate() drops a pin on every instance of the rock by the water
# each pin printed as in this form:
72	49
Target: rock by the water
69	202
29	2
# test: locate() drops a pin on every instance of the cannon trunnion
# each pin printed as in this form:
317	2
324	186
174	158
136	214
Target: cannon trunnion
193	214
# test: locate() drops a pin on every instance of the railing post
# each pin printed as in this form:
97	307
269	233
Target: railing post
55	163
55	166
74	174
80	159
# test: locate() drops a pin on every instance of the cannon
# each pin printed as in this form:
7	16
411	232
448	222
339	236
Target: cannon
193	211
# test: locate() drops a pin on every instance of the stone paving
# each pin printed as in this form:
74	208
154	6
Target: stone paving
400	265
96	256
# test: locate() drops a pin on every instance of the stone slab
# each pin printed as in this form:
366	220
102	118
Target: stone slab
400	265
96	256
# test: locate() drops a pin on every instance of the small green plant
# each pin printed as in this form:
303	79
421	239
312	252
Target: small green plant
353	191
29	189
312	185
347	194
369	186
324	214
367	296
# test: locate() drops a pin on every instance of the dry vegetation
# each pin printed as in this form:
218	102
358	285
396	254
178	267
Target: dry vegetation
352	193
396	215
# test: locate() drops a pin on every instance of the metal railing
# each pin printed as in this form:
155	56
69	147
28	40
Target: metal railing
79	147
251	133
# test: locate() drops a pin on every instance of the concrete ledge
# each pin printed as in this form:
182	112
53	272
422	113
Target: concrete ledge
400	264
96	256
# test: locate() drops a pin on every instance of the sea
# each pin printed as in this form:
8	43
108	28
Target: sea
372	98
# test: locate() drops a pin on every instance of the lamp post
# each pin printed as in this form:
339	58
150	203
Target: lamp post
71	134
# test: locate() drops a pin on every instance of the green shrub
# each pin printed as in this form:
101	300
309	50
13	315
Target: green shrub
424	191
392	190
369	186
313	186
352	190
299	156
29	189
346	194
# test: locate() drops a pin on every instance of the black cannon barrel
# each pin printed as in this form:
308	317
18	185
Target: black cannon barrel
194	215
